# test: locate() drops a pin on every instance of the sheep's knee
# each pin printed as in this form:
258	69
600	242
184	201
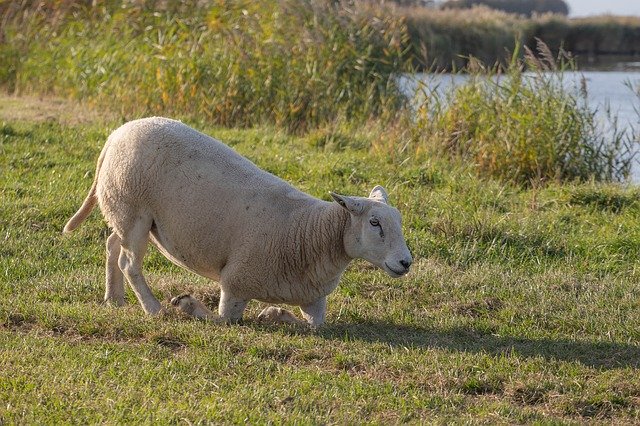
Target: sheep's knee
114	288
315	313
230	307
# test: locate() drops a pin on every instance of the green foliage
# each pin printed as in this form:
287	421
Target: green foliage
315	67
295	63
527	127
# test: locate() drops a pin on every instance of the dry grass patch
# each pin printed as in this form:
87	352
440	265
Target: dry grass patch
49	108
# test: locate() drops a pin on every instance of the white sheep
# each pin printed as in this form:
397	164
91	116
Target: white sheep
212	211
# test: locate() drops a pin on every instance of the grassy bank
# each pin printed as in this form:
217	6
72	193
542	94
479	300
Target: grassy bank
522	305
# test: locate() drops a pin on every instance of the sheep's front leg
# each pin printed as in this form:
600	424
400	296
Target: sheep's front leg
230	307
314	314
275	314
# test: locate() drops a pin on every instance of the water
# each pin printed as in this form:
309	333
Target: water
606	91
608	88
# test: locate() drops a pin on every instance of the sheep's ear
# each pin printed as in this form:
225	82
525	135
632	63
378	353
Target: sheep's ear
350	204
379	194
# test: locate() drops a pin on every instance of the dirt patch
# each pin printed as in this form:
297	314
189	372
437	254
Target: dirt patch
529	395
170	342
17	322
45	108
479	308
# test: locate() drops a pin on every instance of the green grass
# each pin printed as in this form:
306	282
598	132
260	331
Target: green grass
523	305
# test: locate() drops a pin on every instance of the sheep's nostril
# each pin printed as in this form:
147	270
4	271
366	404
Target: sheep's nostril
405	263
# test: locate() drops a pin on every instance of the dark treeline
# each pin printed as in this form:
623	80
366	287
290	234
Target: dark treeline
520	7
445	39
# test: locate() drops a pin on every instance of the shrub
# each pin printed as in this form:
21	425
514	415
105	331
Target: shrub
526	127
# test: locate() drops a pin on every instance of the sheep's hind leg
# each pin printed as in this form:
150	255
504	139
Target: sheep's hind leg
133	248
114	291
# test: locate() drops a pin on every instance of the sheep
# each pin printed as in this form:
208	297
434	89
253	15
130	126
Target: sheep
213	212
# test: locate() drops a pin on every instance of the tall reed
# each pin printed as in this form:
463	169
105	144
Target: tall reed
294	63
305	64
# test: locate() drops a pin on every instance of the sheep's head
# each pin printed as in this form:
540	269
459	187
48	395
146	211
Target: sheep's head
375	232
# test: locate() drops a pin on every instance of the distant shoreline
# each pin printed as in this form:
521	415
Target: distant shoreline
607	62
444	40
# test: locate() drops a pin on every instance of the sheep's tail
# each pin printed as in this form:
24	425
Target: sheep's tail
89	202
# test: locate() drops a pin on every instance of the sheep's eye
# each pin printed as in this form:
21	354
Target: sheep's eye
375	222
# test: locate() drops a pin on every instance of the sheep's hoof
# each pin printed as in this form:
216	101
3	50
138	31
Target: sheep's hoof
274	314
176	300
114	302
162	313
185	303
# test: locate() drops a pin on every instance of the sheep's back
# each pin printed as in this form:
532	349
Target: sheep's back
206	201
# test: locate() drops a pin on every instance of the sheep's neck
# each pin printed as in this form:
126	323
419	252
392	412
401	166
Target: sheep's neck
317	245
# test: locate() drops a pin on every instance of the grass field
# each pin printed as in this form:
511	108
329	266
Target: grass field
523	305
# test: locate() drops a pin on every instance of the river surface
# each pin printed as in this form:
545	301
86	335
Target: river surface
606	91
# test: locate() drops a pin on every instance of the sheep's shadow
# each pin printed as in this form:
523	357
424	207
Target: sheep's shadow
601	355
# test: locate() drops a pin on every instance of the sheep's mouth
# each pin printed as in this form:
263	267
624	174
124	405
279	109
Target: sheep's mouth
394	272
